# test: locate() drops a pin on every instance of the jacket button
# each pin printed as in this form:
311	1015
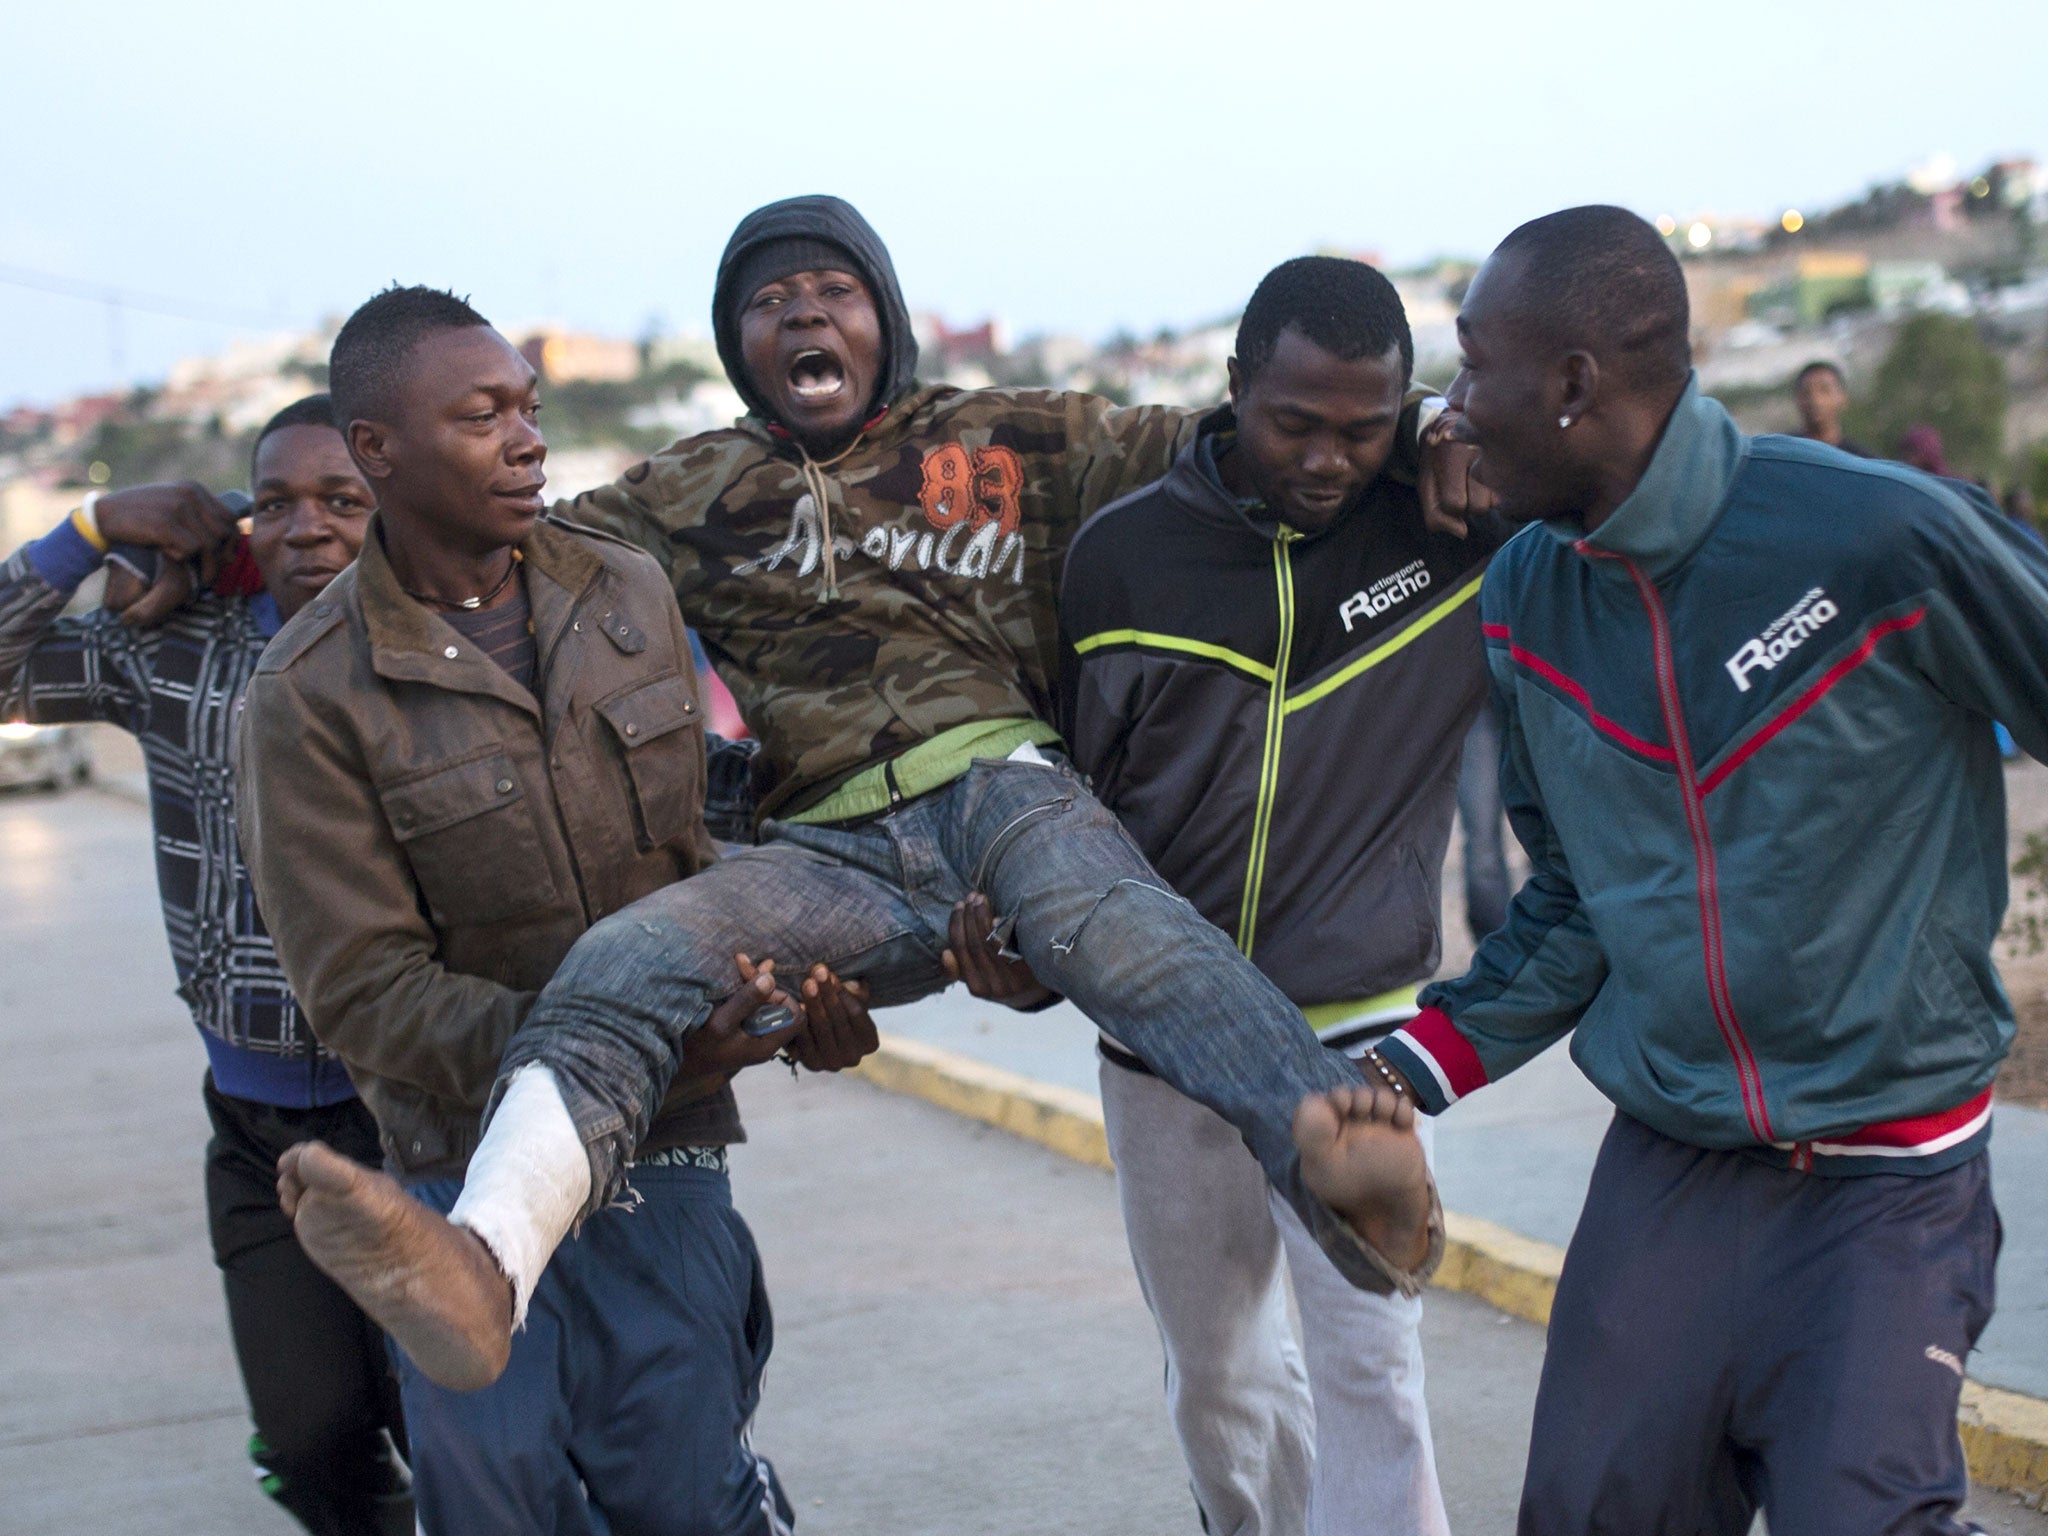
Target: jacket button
632	730
577	626
449	653
623	631
415	1146
689	708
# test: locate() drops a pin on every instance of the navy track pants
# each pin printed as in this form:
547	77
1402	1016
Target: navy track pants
1728	1335
626	1406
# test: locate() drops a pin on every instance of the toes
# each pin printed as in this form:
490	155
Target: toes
319	1167
1316	1121
290	1183
1379	1106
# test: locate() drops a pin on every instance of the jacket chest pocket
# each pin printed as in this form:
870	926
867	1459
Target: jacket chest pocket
468	831
660	733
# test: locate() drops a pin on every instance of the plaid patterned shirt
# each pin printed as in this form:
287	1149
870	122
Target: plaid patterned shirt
176	689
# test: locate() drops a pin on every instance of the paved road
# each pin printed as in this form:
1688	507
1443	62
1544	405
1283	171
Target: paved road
960	1349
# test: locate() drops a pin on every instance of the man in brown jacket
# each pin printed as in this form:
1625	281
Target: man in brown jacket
478	741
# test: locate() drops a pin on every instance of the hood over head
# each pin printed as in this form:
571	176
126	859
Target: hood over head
838	224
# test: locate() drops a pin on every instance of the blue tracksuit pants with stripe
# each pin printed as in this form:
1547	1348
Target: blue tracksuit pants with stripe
1730	1336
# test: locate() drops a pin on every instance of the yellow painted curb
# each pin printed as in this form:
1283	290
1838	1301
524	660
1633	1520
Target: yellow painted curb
1067	1121
2005	1434
1516	1274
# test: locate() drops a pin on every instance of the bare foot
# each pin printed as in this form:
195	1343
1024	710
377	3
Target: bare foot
431	1285
1359	1155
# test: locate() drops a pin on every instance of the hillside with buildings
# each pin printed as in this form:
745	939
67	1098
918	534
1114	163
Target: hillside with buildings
1770	293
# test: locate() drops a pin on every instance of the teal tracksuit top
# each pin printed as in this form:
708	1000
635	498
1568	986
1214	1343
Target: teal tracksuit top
1749	750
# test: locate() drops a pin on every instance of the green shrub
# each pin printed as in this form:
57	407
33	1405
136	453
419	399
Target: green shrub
1939	372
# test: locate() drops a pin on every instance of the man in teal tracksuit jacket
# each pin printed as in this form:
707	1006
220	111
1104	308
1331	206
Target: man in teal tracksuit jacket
1749	686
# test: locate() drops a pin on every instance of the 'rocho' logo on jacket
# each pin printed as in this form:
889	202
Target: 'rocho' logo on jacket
1786	634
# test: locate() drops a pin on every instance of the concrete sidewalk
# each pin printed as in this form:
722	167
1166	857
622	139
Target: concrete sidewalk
1520	1152
961	1347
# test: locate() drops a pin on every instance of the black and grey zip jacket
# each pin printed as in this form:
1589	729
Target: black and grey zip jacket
1277	717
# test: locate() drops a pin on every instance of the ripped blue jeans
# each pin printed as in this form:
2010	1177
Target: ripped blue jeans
872	900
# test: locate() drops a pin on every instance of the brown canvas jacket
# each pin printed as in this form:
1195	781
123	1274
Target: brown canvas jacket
428	839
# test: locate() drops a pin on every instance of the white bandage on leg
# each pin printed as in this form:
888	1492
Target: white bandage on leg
526	1182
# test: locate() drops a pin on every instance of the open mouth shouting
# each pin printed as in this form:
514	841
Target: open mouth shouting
813	347
816	377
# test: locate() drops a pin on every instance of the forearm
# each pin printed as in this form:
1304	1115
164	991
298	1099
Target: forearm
1531	980
53	669
416	1022
1982	633
1527	988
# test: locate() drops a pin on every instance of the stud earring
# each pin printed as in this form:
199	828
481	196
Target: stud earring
1564	421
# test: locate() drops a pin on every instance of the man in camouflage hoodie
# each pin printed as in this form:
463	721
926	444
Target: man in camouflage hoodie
877	577
872	567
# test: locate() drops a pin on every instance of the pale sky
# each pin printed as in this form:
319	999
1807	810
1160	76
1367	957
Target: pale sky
1074	165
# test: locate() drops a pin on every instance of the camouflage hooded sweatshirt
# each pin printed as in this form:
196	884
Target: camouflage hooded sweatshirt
948	520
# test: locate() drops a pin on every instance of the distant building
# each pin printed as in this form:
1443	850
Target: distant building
697	351
2018	185
569	357
1823	283
1715	234
947	353
241	386
76	420
24	421
709	406
1903	285
1056	357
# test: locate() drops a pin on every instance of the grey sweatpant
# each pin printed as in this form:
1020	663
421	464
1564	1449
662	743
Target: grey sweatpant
1338	1448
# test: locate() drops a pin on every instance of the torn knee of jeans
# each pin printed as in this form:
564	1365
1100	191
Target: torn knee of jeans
1066	945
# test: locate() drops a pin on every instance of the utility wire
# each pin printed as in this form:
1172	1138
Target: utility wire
143	303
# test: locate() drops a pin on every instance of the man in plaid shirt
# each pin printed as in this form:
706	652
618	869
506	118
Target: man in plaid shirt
328	1436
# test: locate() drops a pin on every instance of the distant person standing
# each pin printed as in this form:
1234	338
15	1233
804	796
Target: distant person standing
1823	395
1922	448
2019	506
